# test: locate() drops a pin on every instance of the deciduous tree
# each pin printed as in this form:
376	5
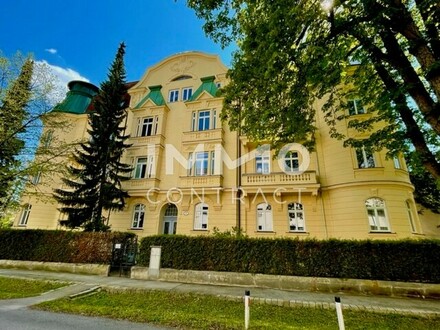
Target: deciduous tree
292	52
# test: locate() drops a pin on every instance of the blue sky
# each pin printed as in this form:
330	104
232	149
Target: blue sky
78	39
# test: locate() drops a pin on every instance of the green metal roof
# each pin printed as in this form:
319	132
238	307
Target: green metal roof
78	98
208	86
154	95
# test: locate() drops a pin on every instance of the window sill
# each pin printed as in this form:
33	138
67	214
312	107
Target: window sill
136	228
382	232
22	225
302	233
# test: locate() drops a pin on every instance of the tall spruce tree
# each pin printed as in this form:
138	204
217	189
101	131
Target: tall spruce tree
13	113
95	183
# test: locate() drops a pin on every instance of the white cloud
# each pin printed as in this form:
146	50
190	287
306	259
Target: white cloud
51	50
61	77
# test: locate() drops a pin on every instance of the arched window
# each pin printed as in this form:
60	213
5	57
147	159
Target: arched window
170	219
201	216
24	217
295	213
264	217
377	216
182	77
138	216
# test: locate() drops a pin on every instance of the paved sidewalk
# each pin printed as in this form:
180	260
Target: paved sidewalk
270	296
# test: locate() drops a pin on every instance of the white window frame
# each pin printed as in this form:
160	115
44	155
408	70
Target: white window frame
204	117
173	95
201	214
291	158
296	218
150	126
138	216
264	217
36	178
186	93
377	215
355	107
24	217
397	163
262	163
409	211
144	167
201	163
365	158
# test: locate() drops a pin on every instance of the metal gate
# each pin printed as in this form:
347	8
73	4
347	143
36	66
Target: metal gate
124	253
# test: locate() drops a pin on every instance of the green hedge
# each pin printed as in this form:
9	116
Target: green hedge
58	246
404	260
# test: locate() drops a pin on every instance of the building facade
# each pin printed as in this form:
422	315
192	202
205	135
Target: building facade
192	175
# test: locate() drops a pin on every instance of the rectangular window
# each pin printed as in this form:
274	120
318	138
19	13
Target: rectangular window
36	178
173	96
144	167
204	120
262	163
148	126
186	93
355	107
25	215
201	217
365	158
397	164
201	163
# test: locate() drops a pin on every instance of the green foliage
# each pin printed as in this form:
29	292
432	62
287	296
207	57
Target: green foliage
12	288
194	311
95	180
234	232
407	260
292	53
13	113
57	246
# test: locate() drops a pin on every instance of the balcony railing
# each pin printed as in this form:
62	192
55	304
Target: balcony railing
140	184
145	140
278	179
205	181
211	135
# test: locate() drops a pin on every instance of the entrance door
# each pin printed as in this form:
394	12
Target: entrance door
170	220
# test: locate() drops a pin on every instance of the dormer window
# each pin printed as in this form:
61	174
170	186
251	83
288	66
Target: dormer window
186	93
173	96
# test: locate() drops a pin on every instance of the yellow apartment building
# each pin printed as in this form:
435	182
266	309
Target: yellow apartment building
192	175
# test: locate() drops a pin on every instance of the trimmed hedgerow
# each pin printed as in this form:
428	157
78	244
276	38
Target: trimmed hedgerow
58	245
402	260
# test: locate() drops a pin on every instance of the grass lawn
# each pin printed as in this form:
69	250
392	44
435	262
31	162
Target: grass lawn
11	288
191	311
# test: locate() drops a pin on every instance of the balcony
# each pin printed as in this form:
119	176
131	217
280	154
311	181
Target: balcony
146	140
278	179
140	184
211	136
205	181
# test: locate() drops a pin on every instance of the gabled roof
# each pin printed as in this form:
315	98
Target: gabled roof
208	86
154	95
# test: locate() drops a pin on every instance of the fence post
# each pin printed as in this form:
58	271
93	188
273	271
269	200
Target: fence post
339	313
153	269
247	298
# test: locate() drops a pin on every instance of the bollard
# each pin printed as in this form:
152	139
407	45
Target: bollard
247	298
339	313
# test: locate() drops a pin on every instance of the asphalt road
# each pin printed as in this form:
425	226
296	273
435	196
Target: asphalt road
28	319
15	314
